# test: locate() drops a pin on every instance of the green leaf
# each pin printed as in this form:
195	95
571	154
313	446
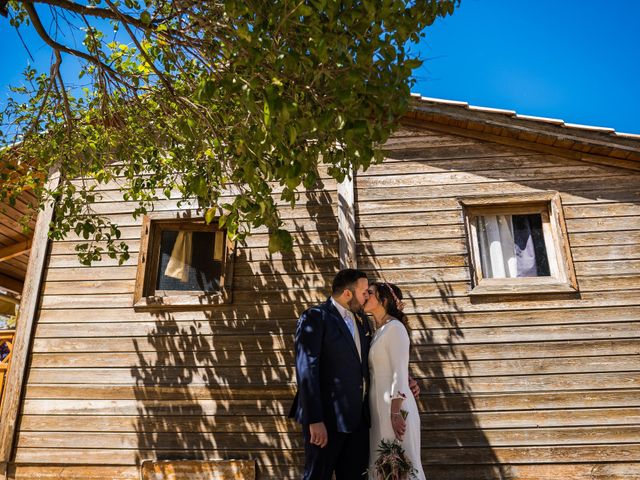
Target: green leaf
210	215
206	90
305	10
293	134
412	64
267	113
145	17
280	241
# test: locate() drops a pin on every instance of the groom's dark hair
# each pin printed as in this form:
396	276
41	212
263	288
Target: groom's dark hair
346	280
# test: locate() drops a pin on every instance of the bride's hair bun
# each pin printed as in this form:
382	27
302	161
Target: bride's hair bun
391	296
396	296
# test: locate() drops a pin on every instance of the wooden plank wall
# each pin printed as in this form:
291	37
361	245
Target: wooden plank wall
537	389
534	388
109	387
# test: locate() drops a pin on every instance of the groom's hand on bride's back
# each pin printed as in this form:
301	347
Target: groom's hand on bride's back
319	434
414	387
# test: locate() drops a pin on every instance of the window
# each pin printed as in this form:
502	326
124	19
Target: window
183	263
518	244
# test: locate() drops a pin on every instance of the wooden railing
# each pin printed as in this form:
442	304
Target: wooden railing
6	348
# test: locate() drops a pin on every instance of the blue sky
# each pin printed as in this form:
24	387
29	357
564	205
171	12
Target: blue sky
578	60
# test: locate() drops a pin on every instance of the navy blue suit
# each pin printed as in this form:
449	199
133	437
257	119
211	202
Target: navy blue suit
332	382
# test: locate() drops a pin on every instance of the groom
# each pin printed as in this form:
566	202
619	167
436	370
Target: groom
332	344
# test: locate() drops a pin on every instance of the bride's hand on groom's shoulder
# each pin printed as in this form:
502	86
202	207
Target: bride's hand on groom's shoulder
414	387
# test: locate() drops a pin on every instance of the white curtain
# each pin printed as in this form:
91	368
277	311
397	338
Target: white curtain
525	246
178	266
218	246
495	235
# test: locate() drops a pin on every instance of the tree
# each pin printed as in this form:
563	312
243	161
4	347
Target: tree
205	98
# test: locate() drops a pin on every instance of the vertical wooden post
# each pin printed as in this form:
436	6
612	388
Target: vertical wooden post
24	325
347	223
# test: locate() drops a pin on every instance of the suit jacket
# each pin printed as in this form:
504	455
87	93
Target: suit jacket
331	378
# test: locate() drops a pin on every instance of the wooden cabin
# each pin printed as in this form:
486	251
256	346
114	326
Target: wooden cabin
515	239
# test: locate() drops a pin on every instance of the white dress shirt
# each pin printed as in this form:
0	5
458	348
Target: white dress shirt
349	319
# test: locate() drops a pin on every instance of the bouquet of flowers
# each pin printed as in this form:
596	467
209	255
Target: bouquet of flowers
392	462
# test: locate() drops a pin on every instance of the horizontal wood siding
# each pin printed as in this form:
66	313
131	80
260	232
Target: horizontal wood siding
540	388
518	388
109	387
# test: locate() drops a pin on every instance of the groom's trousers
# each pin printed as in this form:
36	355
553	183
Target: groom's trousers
346	453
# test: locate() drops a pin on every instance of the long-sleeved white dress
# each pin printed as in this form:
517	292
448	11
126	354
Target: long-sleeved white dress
389	370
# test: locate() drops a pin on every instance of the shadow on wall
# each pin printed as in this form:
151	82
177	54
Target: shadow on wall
454	445
452	434
218	384
411	230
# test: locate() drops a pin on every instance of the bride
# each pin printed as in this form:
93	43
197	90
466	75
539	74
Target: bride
389	391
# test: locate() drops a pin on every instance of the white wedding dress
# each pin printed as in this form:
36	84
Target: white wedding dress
389	370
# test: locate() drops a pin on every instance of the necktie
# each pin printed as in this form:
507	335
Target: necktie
348	318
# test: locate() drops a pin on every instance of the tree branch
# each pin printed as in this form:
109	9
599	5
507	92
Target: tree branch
37	24
149	61
63	91
105	13
53	72
113	13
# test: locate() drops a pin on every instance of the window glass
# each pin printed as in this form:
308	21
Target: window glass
190	261
512	246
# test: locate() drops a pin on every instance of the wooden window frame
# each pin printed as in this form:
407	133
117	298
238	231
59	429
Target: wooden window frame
549	205
145	297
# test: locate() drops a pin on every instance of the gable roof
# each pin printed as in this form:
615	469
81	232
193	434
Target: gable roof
582	142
